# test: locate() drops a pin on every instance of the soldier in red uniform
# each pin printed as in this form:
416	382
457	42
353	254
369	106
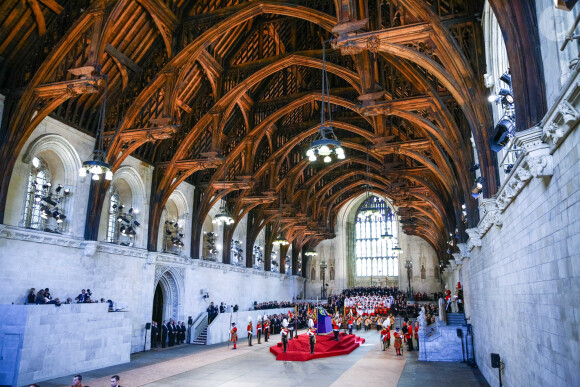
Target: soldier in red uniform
234	335
250	331
350	324
409	336
398	342
335	329
384	333
285	332
417	333
266	328
259	329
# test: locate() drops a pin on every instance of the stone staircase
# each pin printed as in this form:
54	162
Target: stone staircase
202	338
456	319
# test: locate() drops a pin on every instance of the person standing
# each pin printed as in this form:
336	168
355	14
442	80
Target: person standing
266	328
234	335
154	334
250	331
183	330
350	324
417	333
77	381
384	333
171	333
259	329
164	331
284	332
335	329
31	299
398	342
409	336
311	335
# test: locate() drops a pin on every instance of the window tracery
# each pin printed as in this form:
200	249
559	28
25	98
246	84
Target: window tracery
374	254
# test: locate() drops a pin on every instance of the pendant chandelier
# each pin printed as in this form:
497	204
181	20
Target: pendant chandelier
326	144
371	205
310	253
98	165
223	215
280	239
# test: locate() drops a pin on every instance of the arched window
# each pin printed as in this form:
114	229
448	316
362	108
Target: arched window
374	254
38	188
112	224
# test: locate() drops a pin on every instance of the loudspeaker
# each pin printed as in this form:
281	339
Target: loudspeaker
459	332
148	326
495	360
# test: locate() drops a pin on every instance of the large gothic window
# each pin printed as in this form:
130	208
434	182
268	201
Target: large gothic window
38	187
374	254
112	224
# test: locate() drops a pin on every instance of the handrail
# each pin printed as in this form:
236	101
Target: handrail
198	326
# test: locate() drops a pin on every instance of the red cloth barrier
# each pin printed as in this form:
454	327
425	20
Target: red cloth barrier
299	348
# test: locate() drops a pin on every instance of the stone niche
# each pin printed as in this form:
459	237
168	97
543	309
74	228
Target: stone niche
40	342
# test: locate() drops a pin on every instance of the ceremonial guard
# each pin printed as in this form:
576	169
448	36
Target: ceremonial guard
311	334
409	336
398	342
284	333
417	333
335	329
250	331
234	335
385	337
291	326
350	324
266	328
259	329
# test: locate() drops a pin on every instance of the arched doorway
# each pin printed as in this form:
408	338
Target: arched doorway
158	299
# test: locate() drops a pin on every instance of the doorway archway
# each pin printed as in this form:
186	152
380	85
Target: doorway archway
158	300
166	298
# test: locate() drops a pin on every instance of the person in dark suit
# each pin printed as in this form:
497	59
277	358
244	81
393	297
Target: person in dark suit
164	331
183	330
171	332
154	334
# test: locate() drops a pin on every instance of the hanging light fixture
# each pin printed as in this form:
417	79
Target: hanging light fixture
280	239
371	205
310	253
326	145
223	215
396	248
98	165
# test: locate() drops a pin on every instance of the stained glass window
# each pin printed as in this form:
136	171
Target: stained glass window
374	254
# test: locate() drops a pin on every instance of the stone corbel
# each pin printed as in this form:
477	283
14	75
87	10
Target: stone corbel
565	119
489	215
474	238
535	161
90	248
151	257
464	251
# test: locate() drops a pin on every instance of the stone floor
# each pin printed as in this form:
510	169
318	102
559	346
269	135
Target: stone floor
216	365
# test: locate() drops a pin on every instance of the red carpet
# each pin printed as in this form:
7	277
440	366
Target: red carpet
299	348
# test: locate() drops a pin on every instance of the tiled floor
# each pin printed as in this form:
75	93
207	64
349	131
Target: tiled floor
216	365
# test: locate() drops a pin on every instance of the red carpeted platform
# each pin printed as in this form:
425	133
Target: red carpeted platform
299	348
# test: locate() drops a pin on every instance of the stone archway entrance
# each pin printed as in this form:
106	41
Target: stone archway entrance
166	298
158	300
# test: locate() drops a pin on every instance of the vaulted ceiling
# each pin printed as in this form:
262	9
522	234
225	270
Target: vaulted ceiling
226	94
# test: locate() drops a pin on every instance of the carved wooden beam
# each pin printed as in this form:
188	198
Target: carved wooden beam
164	18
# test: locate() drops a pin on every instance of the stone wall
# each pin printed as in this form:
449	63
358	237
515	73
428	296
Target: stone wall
129	276
57	341
521	265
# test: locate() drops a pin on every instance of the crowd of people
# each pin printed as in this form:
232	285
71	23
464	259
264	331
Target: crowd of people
168	334
43	296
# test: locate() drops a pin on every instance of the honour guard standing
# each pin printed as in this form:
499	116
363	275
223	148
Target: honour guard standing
234	335
409	336
350	323
311	334
398	342
284	333
335	329
266	328
250	331
385	335
259	329
417	333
